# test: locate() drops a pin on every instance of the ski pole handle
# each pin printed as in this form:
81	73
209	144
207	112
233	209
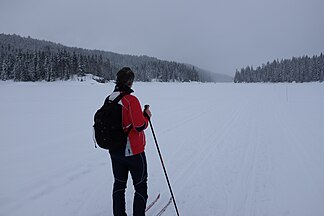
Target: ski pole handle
144	112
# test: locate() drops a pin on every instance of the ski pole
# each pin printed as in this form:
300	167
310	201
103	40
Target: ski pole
161	159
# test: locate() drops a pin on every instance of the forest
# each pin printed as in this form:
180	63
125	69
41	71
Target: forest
27	59
301	69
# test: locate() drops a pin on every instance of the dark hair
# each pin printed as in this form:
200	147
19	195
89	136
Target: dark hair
125	76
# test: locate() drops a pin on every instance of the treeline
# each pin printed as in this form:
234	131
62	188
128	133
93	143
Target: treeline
27	59
301	69
19	65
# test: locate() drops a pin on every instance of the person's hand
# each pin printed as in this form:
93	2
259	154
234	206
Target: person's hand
147	112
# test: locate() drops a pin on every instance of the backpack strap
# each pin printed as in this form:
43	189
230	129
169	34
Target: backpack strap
117	99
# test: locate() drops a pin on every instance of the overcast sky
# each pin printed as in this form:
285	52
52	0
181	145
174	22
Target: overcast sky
217	35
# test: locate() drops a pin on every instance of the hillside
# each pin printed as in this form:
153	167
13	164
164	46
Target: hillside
28	59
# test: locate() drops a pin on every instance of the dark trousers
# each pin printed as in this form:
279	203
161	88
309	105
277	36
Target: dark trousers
137	167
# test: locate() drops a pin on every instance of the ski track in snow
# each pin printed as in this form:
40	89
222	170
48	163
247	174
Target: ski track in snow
229	149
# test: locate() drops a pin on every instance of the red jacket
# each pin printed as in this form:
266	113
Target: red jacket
132	116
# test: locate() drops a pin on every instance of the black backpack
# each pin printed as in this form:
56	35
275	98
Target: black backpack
108	129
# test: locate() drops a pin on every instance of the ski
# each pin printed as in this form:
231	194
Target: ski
152	203
164	208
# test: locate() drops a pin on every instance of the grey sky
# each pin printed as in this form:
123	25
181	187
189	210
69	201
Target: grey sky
217	35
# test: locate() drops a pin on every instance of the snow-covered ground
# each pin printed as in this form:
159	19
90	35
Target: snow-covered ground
230	149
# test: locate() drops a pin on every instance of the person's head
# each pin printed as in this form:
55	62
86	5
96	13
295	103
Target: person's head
125	76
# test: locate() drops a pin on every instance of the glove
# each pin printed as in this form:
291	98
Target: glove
147	112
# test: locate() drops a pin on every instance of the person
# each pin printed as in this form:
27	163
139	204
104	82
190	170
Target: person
132	158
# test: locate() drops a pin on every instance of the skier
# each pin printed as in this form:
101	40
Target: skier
131	159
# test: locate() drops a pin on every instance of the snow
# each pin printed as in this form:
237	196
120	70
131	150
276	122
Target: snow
229	149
